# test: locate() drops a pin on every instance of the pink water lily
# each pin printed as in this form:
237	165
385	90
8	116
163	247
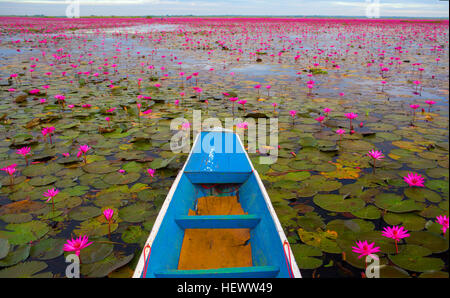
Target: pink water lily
430	103
151	172
351	116
24	151
397	233
242	102
50	195
340	132
10	170
274	104
414	179
320	119
77	244
375	155
108	213
48	131
82	150
363	248
444	222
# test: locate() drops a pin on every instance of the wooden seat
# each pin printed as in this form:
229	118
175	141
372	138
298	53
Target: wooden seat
216	247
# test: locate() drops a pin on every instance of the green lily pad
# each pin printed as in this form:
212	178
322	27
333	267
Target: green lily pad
19	254
409	221
26	270
114	199
337	203
41	168
395	203
437	185
118	178
434	242
368	212
94	227
84	212
134	234
137	212
305	256
107	265
311	222
76	191
297	176
422	194
132	167
387	271
160	163
47	249
100	167
414	258
4	247
25	232
325	240
42	181
17	218
97	251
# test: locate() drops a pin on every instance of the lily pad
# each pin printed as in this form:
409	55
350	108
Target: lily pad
94	227
134	234
395	203
137	212
25	232
47	249
422	194
42	181
325	240
97	251
414	258
26	270
305	256
337	203
4	248
19	254
100	167
84	212
368	212
106	266
435	243
118	178
409	221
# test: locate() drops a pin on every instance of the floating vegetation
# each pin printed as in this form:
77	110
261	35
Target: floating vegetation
86	160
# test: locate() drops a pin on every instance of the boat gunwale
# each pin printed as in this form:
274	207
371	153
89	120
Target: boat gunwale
140	266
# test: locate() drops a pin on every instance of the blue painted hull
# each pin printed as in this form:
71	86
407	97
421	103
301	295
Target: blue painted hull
214	161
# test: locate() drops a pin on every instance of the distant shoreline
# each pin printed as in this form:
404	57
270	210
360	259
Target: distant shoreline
238	16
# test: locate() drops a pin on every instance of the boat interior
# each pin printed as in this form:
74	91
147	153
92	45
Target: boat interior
217	223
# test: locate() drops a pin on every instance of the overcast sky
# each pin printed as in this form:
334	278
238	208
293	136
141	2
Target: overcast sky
388	8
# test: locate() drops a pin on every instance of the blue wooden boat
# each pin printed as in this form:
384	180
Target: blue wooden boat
217	220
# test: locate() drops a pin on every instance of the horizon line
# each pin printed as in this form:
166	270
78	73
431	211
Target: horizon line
225	15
